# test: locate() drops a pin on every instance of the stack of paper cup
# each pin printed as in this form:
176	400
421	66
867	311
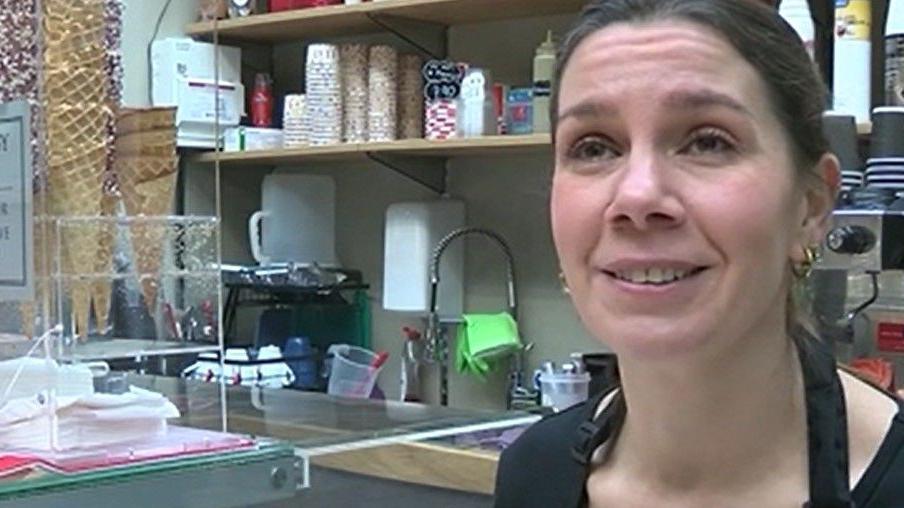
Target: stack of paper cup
411	97
353	64
323	102
295	128
382	94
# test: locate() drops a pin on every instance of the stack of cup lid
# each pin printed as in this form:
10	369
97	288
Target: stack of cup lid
440	119
382	94
411	97
295	128
323	101
841	132
353	65
885	167
442	85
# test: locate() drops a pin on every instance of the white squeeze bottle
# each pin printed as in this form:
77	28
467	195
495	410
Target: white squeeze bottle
544	68
797	14
851	83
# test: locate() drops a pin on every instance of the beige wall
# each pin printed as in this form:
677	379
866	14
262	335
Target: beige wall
505	193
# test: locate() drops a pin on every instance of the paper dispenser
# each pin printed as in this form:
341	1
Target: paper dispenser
413	230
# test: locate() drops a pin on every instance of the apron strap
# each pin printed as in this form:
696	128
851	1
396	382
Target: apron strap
827	436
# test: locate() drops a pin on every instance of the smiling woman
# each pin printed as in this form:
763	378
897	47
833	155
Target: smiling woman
692	181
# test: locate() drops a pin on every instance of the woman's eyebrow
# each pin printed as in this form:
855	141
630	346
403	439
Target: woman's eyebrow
699	99
587	109
679	99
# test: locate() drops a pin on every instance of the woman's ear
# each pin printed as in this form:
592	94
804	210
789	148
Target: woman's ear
820	194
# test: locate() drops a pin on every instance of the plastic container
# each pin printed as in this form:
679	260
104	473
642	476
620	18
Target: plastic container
797	14
302	359
351	371
544	69
519	111
561	391
851	86
297	220
894	54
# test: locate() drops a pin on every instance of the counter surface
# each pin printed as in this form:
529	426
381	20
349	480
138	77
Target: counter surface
429	445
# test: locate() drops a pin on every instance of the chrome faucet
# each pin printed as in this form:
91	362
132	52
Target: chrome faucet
437	343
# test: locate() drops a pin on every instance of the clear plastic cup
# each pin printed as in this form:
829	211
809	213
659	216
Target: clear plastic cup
561	391
351	371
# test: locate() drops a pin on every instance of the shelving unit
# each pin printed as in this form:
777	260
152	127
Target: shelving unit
488	145
359	19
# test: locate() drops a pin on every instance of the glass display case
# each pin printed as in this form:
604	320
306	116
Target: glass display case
98	277
76	429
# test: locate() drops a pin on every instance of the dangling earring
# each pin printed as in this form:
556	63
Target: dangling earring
803	269
564	283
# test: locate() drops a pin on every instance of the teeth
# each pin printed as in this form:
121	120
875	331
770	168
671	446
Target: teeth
637	276
653	275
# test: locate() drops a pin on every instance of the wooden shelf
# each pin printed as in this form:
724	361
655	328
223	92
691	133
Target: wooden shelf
488	145
356	19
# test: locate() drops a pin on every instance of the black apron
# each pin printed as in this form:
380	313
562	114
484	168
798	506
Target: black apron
827	443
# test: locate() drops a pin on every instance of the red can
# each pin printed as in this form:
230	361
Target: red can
262	101
285	5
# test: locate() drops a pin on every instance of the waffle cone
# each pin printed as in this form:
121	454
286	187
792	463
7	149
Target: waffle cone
78	113
42	238
136	170
76	190
102	287
81	126
155	143
132	120
153	198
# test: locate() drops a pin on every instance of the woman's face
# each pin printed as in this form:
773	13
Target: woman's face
675	206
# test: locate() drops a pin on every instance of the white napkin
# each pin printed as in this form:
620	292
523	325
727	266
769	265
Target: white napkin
83	422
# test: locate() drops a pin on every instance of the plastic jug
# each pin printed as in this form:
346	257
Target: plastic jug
297	222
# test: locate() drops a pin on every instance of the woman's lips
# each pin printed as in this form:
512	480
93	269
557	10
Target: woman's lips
654	275
654	281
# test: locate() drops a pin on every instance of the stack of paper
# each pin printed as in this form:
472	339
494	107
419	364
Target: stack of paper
88	421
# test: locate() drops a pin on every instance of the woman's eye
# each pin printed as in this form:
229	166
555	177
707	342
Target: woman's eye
710	142
592	148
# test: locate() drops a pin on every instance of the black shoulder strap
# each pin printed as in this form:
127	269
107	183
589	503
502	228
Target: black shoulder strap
827	437
592	432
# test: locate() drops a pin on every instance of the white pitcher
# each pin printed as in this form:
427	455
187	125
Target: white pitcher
297	220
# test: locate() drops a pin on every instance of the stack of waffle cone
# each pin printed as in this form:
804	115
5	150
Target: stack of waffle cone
146	168
42	246
102	287
77	112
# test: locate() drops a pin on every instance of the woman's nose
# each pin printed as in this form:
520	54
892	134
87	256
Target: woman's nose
644	197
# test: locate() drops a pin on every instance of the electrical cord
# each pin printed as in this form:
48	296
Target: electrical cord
150	43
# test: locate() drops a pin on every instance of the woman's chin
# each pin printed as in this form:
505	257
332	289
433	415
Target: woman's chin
649	343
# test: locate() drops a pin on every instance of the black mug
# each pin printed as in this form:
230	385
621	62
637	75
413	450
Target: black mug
887	139
841	132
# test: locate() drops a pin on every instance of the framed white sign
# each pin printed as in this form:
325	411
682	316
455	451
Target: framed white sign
16	217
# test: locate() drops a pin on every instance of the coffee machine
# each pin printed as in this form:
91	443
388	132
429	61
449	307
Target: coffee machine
857	287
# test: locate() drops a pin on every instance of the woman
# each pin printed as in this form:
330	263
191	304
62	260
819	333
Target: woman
692	184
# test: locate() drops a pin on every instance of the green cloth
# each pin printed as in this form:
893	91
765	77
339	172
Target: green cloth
483	339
